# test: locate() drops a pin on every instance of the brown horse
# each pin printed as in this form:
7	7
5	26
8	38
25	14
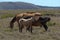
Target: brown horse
23	15
42	21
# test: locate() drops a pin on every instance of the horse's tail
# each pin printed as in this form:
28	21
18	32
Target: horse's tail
12	22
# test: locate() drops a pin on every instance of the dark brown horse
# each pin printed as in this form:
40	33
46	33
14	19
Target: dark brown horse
42	21
23	15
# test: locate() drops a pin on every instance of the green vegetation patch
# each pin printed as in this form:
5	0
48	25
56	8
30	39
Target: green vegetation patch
51	23
7	16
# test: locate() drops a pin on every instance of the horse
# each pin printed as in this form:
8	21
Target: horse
26	15
26	23
42	21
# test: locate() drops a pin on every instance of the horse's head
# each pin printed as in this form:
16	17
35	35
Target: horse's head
44	19
47	19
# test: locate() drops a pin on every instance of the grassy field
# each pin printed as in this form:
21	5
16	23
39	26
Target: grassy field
11	13
53	32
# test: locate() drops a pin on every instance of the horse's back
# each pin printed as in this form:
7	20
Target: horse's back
28	14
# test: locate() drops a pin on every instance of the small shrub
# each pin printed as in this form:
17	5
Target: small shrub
51	23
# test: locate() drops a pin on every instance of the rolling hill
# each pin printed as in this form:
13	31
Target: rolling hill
22	5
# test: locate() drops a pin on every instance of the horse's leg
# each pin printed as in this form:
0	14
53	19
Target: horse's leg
27	28
31	29
20	27
18	22
11	25
45	26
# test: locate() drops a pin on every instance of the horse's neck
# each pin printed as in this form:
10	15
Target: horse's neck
36	17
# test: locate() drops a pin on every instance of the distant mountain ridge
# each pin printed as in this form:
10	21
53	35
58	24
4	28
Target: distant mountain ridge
22	5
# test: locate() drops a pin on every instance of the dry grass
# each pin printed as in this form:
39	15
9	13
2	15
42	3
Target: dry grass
53	32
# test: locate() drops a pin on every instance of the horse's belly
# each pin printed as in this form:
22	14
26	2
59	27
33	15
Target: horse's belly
36	24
